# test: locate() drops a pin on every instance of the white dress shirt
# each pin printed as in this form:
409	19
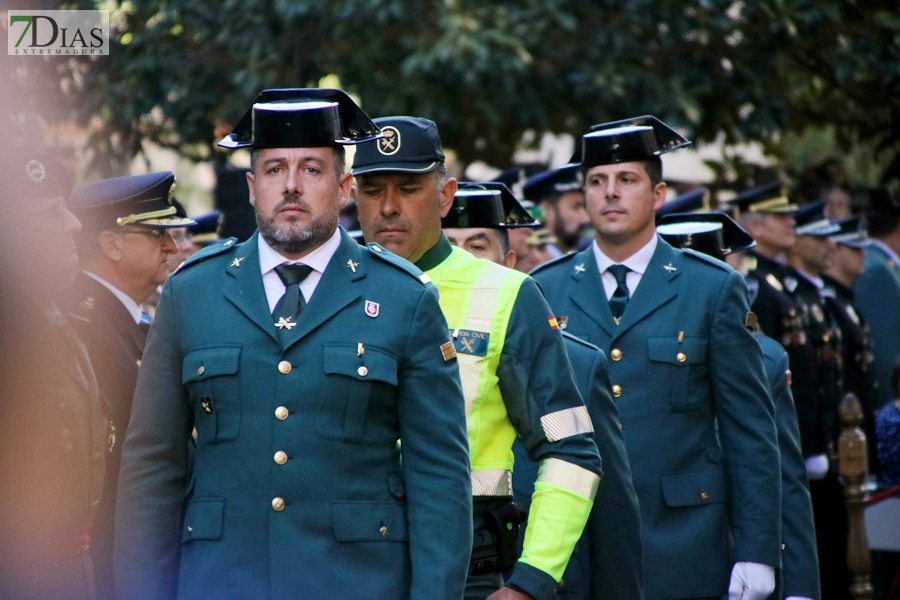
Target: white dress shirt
124	298
317	259
637	262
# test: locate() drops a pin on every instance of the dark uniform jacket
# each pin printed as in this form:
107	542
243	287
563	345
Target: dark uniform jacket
782	318
115	344
607	563
799	559
52	435
297	490
697	417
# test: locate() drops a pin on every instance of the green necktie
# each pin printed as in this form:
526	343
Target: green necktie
619	298
291	303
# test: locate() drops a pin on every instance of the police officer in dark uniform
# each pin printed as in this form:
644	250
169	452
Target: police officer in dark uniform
51	423
124	248
808	259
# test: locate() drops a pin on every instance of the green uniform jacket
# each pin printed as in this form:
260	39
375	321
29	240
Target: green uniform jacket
877	293
298	490
697	416
799	558
608	562
536	382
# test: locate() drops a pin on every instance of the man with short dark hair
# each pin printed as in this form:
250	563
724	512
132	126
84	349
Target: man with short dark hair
52	431
687	376
301	359
515	374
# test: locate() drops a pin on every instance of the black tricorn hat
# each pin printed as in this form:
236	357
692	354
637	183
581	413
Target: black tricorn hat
488	204
715	233
635	139
694	200
302	118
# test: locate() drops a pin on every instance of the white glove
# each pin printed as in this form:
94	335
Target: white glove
816	467
751	581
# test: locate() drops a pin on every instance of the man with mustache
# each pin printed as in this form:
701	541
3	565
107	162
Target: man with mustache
300	358
687	375
515	373
124	248
560	194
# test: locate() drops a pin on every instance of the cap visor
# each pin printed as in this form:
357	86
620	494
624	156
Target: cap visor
397	167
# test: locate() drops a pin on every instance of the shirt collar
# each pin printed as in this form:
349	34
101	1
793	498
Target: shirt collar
318	259
436	255
637	262
133	308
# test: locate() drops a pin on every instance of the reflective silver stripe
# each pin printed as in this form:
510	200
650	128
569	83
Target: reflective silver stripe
492	482
569	477
566	423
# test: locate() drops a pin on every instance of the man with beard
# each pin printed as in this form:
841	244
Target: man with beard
301	358
52	431
124	248
561	198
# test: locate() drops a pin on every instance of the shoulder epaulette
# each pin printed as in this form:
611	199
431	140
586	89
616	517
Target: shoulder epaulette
706	258
555	261
401	263
204	253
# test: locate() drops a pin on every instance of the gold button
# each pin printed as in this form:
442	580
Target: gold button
280	457
284	367
562	583
680	357
704	496
200	370
617	390
383	531
616	354
782	546
363	371
376	249
278	504
281	413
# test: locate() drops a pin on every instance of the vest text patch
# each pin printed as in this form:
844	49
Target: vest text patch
471	342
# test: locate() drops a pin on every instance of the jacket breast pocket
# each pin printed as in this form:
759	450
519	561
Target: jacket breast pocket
214	388
695	488
358	395
684	362
203	519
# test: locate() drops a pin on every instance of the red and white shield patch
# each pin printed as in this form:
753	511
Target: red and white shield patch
372	308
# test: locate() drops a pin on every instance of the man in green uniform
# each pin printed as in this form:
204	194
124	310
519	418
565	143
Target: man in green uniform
515	373
301	358
717	235
687	376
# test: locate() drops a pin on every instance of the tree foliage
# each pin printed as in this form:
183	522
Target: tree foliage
181	72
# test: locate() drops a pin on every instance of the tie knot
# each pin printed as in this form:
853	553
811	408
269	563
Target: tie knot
619	272
292	274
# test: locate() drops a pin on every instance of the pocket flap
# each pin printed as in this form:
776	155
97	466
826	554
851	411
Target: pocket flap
691	350
211	361
203	519
369	522
692	488
344	360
